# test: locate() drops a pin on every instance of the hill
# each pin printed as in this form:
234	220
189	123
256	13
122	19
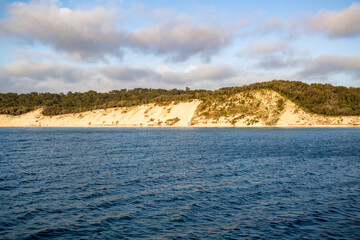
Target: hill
250	108
322	99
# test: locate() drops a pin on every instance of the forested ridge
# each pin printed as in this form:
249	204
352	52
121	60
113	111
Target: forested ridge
316	98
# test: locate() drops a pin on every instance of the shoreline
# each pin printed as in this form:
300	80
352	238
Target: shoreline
194	127
190	114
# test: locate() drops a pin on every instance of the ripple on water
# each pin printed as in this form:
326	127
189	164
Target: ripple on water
179	183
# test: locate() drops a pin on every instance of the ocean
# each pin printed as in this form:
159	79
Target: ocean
194	183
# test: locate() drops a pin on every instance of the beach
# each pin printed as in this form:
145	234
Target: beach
182	114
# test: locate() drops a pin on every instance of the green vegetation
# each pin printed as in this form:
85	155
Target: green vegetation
316	98
172	121
54	104
280	104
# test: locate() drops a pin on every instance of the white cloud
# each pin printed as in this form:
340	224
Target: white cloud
88	34
344	23
93	34
335	24
276	62
211	72
261	48
26	75
332	64
275	55
180	41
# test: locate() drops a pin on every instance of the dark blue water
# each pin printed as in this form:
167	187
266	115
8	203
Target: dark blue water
179	183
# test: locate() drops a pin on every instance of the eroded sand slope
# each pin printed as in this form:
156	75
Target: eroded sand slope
258	108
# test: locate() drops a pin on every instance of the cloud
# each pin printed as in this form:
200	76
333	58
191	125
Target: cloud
24	69
123	73
167	76
262	48
26	75
88	35
180	41
211	72
344	23
335	24
324	65
275	55
276	62
93	34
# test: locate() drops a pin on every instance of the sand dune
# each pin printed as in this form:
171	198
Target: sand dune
148	115
186	114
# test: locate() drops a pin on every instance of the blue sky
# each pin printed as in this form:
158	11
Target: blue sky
60	46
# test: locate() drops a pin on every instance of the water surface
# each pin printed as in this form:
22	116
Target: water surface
179	183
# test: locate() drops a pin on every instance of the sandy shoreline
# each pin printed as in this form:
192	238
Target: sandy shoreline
190	127
186	115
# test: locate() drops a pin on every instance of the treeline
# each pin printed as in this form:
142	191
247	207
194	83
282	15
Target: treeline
72	102
317	98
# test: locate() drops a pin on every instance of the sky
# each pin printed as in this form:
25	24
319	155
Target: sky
102	45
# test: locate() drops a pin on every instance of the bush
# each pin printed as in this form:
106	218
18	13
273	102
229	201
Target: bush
317	98
172	121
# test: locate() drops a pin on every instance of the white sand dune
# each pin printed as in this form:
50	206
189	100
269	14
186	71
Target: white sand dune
144	115
183	114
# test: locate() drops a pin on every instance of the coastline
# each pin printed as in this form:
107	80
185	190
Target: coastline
187	114
245	127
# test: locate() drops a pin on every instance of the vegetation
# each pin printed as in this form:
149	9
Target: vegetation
249	107
316	98
172	121
280	104
54	104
